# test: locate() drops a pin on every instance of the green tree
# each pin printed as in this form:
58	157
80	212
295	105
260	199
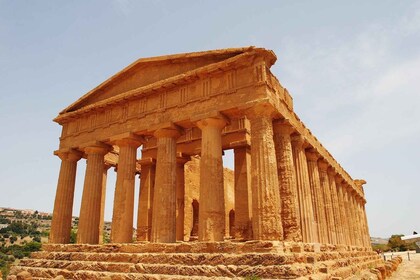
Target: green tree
73	236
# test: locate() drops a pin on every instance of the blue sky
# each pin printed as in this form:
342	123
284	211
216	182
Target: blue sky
352	67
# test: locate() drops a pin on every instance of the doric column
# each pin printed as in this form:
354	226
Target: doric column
338	223
342	210
357	229
266	220
180	196
90	210
317	196
144	214
63	204
367	235
363	218
243	194
348	213
326	193
102	219
307	220
361	224
164	197
122	218
287	182
212	224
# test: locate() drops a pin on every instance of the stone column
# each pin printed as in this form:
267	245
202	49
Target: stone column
243	194
359	219
164	197
266	219
342	210
367	235
326	193
338	223
63	204
90	210
122	217
307	220
347	212
180	196
212	224
102	220
317	196
357	229
147	183
287	182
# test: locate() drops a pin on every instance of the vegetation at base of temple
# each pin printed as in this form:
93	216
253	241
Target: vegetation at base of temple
394	244
21	233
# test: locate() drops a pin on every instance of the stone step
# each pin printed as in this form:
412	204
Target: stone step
39	273
279	271
198	258
205	247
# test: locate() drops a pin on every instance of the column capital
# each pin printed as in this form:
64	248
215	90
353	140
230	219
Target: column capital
338	179
127	139
182	158
298	141
219	122
68	154
323	165
312	155
147	161
260	110
96	147
331	171
169	130
283	127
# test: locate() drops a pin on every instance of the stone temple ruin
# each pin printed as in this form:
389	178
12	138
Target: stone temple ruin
294	212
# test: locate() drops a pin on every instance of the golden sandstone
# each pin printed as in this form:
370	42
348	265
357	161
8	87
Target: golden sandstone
292	210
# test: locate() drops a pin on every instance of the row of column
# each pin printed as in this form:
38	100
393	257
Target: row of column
295	195
317	204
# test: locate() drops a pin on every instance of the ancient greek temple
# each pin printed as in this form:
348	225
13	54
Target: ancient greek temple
287	185
290	195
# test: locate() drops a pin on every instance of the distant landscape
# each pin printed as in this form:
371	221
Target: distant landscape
23	232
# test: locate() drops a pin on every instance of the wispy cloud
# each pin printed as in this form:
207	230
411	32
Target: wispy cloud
361	86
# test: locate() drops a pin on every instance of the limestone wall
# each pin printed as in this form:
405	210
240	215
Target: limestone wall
192	192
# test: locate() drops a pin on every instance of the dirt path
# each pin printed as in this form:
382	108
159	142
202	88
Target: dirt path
408	270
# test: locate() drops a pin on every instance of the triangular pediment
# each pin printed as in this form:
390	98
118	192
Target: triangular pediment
147	71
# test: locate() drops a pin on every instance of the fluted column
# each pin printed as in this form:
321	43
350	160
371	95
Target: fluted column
342	210
63	204
147	183
359	219
212	224
367	235
122	218
326	193
357	229
164	197
90	210
317	196
243	194
266	220
348	213
103	196
307	220
338	223
287	182
180	196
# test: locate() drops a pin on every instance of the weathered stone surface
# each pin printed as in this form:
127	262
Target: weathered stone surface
285	188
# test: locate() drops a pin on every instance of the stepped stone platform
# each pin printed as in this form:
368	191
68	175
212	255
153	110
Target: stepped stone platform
197	260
